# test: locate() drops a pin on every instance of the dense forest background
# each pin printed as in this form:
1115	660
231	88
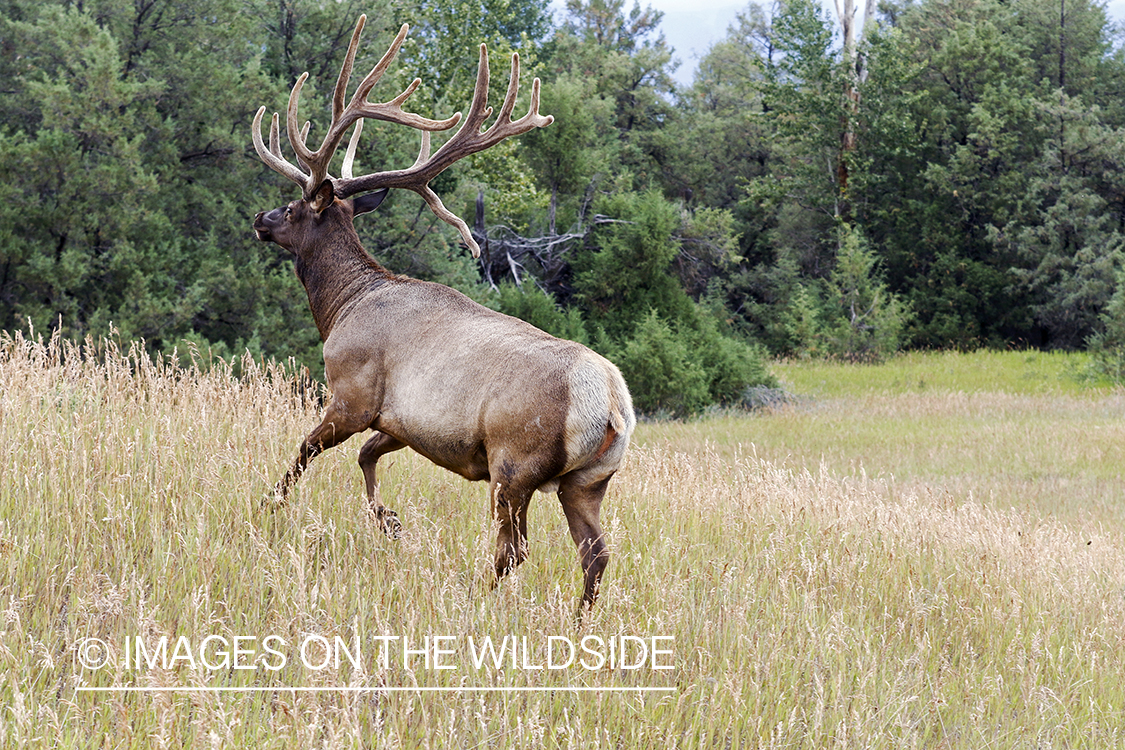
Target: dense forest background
947	174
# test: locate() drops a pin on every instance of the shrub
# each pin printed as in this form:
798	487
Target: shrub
1108	345
852	314
664	378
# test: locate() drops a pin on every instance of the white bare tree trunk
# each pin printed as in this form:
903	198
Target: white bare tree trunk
845	14
855	67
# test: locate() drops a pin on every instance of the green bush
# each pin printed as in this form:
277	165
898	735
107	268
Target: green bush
663	376
676	371
1108	345
851	314
731	365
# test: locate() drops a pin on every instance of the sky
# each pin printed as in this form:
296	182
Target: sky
692	26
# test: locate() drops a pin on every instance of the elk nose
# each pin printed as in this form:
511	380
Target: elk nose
260	229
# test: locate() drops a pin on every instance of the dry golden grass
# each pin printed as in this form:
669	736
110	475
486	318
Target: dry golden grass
816	599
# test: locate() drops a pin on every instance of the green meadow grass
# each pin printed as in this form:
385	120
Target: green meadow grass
871	566
1028	373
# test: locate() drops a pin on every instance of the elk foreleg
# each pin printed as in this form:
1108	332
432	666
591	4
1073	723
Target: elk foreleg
334	429
581	503
380	444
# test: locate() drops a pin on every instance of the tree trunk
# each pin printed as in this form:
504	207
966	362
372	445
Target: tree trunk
855	74
552	207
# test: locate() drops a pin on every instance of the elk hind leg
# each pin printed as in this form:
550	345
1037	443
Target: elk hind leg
581	502
510	500
377	446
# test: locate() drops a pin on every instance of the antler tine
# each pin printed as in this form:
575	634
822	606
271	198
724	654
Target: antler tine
272	156
533	107
478	108
291	126
443	213
275	135
424	151
513	89
349	155
376	73
341	90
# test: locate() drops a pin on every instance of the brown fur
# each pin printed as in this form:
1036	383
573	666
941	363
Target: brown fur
482	394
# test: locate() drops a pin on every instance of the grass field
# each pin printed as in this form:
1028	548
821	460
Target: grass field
927	553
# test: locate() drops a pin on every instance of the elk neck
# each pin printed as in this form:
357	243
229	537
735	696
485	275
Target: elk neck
337	273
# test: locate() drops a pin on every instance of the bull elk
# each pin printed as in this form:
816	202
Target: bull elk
484	395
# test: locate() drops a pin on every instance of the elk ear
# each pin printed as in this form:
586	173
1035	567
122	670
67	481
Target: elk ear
368	202
324	196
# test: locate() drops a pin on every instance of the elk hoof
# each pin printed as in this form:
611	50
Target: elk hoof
273	499
389	523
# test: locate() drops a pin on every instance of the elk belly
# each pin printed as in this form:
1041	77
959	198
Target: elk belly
551	487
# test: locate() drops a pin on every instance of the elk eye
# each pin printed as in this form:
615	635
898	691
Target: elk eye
288	212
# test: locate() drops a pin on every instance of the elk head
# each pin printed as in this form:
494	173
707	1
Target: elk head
320	190
299	226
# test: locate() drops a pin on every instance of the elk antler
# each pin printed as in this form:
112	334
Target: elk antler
316	162
469	139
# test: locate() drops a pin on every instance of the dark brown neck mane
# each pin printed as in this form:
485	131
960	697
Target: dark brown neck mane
339	273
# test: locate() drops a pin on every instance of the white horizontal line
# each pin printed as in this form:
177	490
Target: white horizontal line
287	689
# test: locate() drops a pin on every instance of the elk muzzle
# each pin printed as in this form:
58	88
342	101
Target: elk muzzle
265	223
